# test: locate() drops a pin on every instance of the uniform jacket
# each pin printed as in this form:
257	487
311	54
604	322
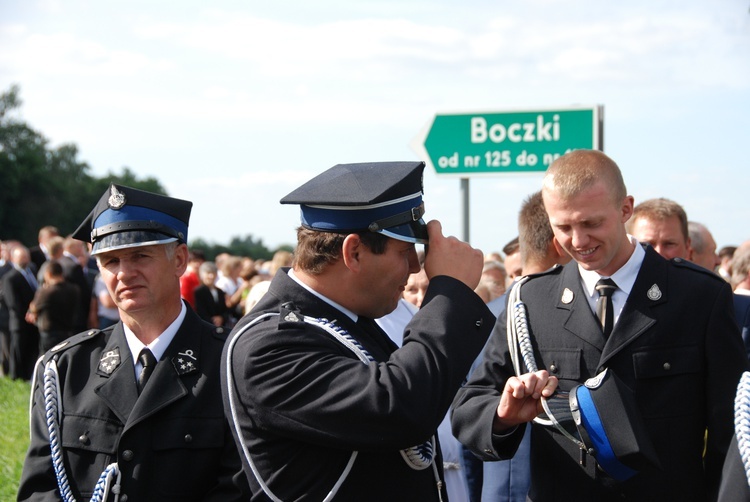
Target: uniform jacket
171	443
305	401
74	274
677	348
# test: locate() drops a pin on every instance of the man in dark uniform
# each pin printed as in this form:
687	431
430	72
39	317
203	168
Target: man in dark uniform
674	342
137	407
19	286
323	404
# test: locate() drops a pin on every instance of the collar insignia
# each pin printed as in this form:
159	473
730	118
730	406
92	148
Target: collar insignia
291	317
110	361
185	362
116	198
567	296
654	293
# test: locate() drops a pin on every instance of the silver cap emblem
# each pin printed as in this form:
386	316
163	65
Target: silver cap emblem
116	198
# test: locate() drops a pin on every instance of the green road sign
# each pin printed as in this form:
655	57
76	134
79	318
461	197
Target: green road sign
490	143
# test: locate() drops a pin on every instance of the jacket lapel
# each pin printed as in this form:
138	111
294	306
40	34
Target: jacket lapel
181	359
118	391
650	289
580	321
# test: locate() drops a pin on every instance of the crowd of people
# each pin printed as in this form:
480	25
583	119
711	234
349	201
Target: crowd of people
56	291
359	369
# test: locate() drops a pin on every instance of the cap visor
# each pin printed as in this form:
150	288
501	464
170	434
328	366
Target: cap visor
131	239
415	231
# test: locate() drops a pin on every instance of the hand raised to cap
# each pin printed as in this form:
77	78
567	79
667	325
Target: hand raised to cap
452	257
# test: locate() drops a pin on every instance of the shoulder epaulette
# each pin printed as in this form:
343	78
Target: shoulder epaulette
290	317
74	340
554	269
220	332
682	263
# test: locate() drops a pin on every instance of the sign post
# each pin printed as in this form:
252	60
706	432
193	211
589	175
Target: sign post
467	145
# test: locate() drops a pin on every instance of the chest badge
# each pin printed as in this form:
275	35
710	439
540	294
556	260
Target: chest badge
567	296
654	293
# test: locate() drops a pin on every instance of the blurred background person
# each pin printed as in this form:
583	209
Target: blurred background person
663	224
512	261
280	259
40	252
190	279
105	307
210	300
53	309
702	246
725	261
19	287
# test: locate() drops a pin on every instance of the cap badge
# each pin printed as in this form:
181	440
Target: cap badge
567	296
109	361
654	293
185	362
116	198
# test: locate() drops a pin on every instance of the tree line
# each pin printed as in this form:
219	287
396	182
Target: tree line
41	185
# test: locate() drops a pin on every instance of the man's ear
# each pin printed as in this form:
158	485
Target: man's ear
558	248
351	252
181	255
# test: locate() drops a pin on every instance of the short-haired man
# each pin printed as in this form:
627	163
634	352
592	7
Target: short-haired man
323	403
670	336
134	411
663	224
702	246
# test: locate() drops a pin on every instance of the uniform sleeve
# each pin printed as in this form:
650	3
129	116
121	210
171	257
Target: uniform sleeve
302	383
475	405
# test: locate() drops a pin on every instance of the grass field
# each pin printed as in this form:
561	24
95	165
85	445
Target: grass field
14	434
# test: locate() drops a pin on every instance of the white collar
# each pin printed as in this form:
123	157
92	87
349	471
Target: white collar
624	277
158	346
330	302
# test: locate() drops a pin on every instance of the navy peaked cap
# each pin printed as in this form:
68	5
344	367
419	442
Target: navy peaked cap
383	197
126	217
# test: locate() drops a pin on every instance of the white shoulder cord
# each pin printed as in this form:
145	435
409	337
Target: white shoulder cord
518	338
742	421
53	407
418	457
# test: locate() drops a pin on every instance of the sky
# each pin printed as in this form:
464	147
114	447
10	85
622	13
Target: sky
233	104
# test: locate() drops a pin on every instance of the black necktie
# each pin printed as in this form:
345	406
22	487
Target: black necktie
604	308
147	359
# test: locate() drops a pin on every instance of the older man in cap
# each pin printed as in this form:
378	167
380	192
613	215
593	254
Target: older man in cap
323	404
134	412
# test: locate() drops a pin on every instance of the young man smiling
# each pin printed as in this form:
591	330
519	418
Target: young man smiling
674	343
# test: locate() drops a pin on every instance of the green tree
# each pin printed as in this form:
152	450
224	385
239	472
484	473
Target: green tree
42	186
